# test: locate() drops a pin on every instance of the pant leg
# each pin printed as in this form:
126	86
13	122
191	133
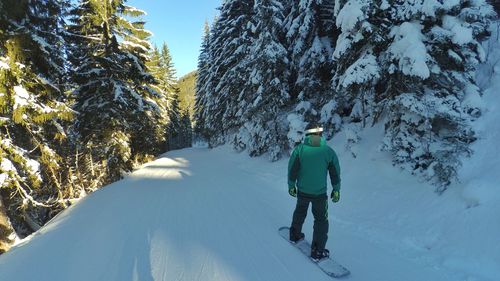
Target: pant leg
320	213
299	215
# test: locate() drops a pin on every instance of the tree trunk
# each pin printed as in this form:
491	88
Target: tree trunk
7	233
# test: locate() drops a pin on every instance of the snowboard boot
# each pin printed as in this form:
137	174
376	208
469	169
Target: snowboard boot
296	237
317	255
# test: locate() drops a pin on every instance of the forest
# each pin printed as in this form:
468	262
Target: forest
84	98
268	68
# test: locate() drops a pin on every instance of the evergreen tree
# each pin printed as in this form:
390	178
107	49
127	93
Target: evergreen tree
136	41
174	128
156	67
168	85
201	95
168	80
229	40
154	64
309	39
163	70
186	128
356	58
431	92
413	62
115	99
265	94
408	63
33	111
160	71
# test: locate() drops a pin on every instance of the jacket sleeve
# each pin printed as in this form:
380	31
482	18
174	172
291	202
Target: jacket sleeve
293	168
334	171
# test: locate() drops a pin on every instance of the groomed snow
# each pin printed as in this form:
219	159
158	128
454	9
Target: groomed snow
199	214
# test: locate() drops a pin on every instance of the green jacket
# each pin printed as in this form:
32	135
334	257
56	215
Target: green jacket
309	164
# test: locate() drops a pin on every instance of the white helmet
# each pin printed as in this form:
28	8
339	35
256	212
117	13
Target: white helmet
313	128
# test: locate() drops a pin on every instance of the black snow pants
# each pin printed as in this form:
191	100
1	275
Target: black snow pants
320	213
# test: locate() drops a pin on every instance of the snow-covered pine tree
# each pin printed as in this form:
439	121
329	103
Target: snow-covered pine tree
430	93
163	70
136	41
174	128
33	111
363	32
413	61
205	88
168	85
231	86
118	113
186	128
153	62
309	40
168	81
201	96
265	94
229	39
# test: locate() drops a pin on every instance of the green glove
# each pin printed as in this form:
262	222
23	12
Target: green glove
292	191
335	196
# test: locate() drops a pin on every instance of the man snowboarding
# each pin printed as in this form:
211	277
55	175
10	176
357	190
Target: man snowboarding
308	167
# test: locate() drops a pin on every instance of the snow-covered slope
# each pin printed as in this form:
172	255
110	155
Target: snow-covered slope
199	214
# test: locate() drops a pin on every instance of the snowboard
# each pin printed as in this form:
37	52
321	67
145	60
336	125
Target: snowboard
328	265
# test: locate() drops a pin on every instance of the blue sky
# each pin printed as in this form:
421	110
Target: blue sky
180	24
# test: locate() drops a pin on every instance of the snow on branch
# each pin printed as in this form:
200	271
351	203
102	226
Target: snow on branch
409	50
